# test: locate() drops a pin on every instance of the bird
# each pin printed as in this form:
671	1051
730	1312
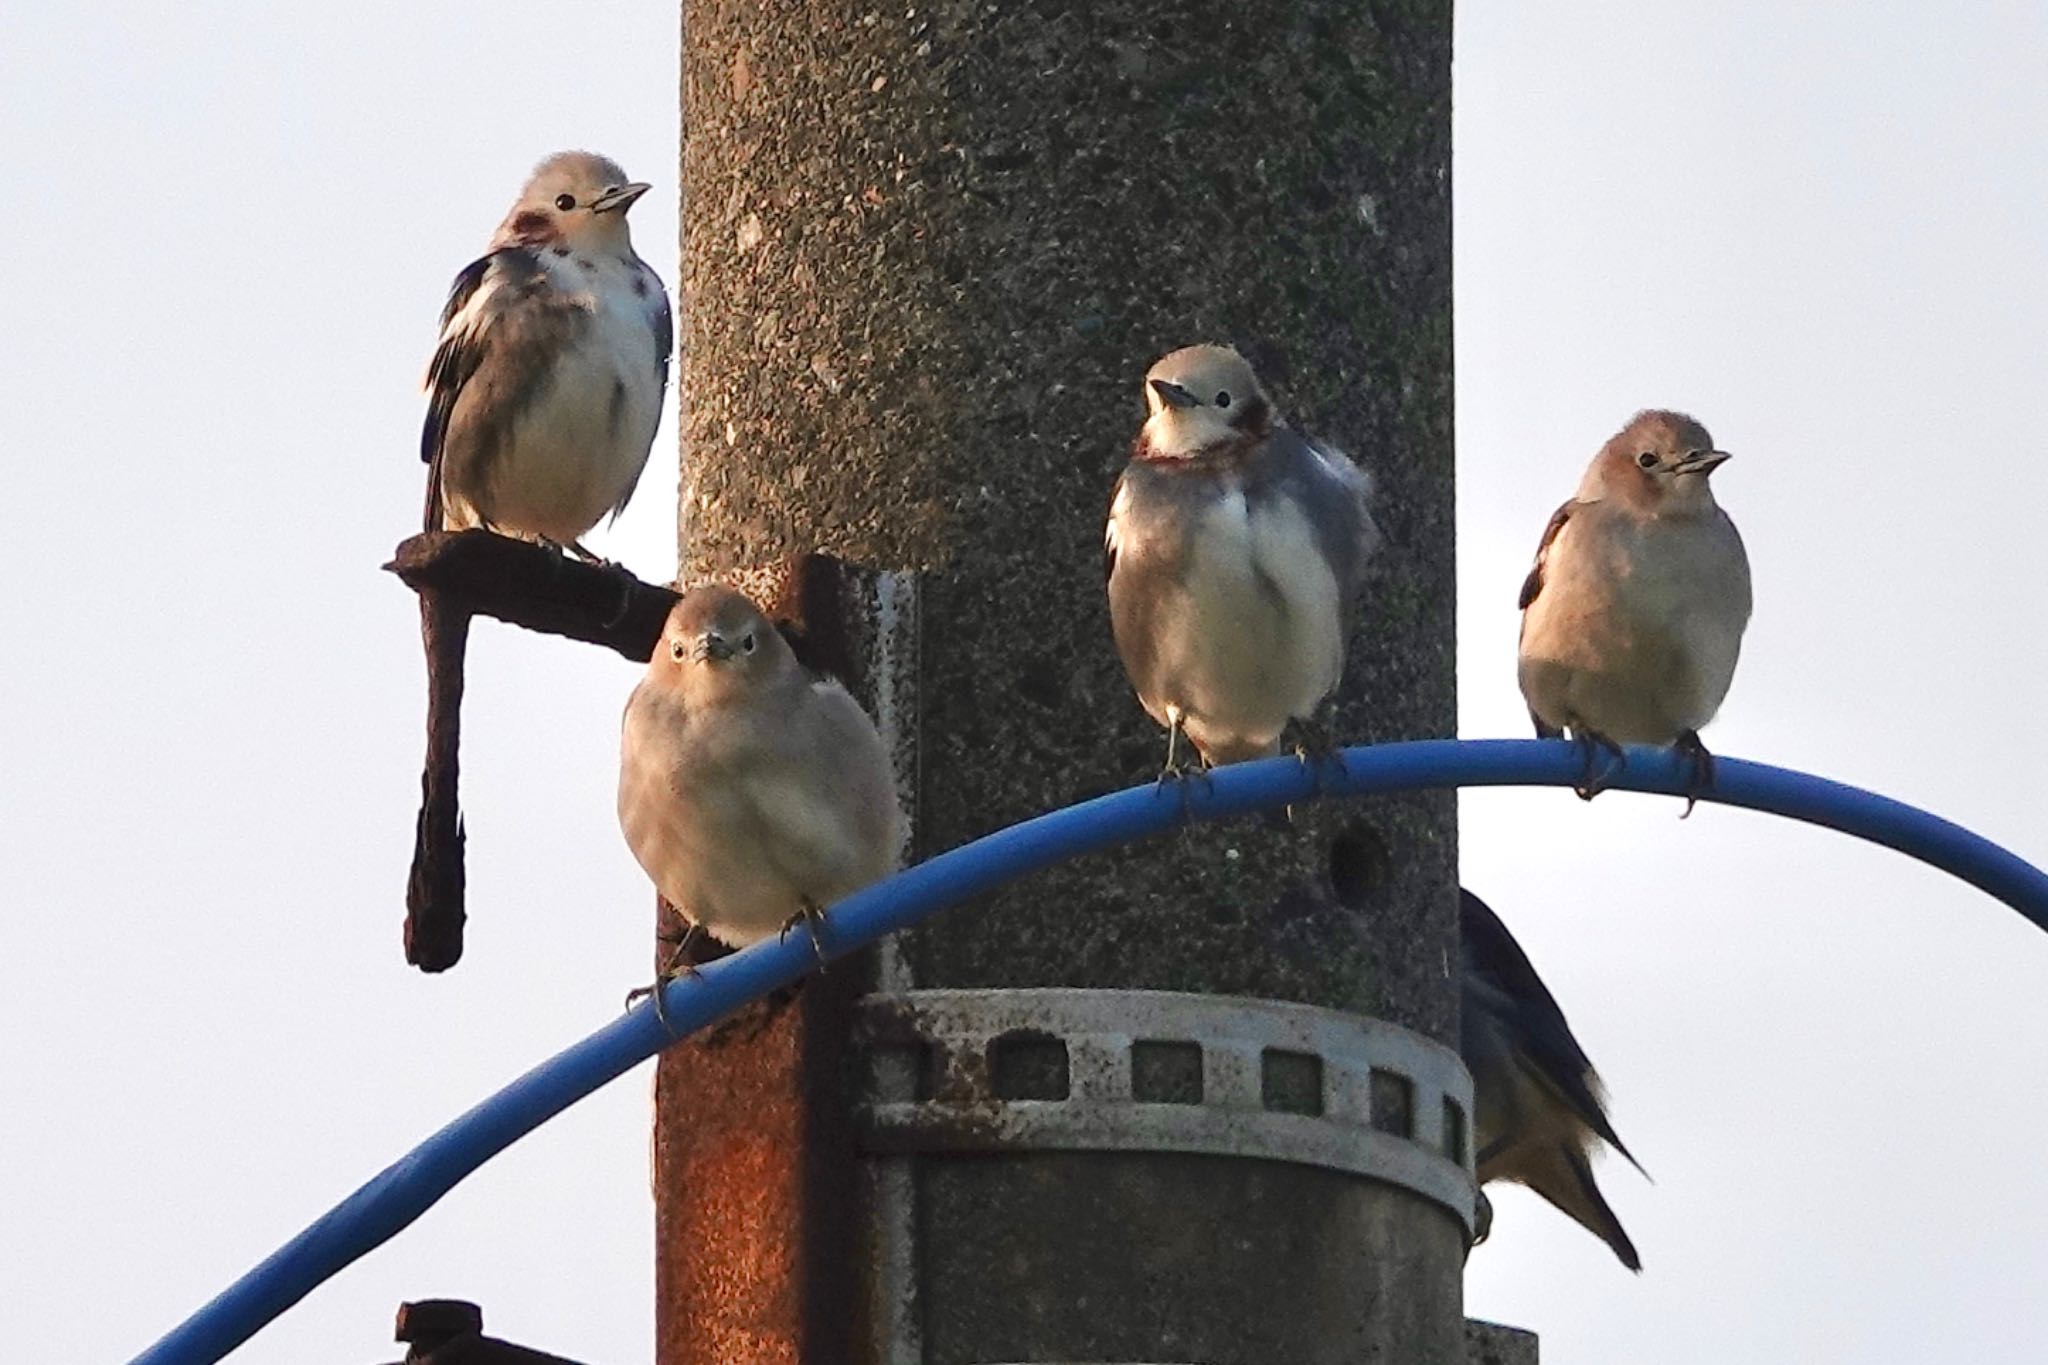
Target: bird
1537	1104
753	792
1633	613
546	385
1235	556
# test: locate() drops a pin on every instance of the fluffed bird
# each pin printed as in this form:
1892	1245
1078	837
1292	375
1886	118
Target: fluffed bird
1632	616
546	387
752	791
1537	1103
1236	553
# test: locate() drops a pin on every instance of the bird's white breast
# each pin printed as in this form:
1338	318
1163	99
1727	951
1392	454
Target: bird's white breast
578	447
1254	636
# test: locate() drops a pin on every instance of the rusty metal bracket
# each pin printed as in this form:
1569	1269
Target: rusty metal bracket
1161	1071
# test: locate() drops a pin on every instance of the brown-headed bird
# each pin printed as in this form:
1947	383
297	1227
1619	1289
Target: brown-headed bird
1632	616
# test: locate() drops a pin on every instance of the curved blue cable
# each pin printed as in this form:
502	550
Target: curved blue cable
408	1188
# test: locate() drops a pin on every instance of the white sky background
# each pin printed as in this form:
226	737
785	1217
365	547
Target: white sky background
231	229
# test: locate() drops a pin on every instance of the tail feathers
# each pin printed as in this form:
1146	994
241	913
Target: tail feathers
1586	1098
1563	1176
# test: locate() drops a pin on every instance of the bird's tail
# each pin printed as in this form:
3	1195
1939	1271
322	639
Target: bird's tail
433	519
1562	1175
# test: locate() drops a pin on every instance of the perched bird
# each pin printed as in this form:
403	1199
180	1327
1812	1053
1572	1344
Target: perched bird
1632	616
1236	552
546	387
752	791
1536	1101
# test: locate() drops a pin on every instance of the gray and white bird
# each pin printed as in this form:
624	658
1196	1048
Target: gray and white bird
1633	613
1538	1109
1236	554
546	387
752	791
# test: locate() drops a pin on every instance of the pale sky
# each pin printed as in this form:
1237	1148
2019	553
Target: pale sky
1819	228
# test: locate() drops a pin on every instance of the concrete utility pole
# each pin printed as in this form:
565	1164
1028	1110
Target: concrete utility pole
929	251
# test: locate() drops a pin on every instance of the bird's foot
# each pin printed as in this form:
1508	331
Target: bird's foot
1317	748
1182	777
1702	780
1180	770
809	914
678	964
1596	779
575	547
628	581
1482	1219
669	973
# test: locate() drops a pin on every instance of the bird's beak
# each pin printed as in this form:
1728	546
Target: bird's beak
1701	462
1173	395
620	199
713	646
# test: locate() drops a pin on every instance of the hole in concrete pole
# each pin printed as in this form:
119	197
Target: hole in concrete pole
1359	866
1166	1073
1393	1103
1028	1065
1291	1082
1454	1131
931	1071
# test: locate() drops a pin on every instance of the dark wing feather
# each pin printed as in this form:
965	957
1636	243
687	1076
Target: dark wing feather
1533	584
491	323
455	359
1335	494
662	323
1489	952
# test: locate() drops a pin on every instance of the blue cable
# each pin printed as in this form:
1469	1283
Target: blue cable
387	1203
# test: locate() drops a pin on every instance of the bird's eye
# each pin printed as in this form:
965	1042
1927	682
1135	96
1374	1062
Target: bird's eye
565	202
678	651
747	642
1647	460
1223	400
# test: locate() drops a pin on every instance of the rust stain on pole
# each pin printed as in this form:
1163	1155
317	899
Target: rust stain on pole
754	1182
755	1170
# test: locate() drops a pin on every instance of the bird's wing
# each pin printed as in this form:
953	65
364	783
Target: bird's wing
1503	971
1533	584
1738	560
861	767
450	368
819	785
661	322
1109	531
1137	571
501	330
1336	495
